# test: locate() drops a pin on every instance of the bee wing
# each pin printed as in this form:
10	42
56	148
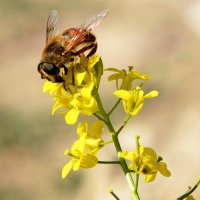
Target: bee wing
92	22
87	26
53	24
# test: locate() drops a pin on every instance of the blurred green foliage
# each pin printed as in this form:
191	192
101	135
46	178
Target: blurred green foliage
31	132
13	193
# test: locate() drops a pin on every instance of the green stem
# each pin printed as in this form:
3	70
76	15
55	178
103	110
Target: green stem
137	144
189	192
109	162
105	143
99	117
124	124
113	108
137	181
117	147
138	152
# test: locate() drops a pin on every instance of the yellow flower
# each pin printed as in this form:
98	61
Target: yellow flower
84	150
79	157
74	94
145	161
93	139
133	101
53	88
81	102
126	78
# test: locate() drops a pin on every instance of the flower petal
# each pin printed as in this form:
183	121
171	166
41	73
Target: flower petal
153	93
72	116
86	90
88	161
76	165
82	128
66	169
162	167
123	94
96	129
150	177
127	155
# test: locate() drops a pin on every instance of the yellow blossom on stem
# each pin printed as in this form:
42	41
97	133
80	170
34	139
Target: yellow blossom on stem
93	139
74	94
83	151
81	102
146	162
133	101
79	157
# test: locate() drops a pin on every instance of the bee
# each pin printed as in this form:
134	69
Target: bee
61	48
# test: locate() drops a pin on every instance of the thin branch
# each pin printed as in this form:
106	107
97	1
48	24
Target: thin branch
109	162
105	143
114	195
113	108
99	117
189	192
124	124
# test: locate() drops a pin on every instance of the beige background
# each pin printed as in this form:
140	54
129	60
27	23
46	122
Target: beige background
160	38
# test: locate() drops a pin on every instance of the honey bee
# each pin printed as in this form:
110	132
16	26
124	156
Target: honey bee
62	48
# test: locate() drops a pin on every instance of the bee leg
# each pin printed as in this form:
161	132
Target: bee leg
92	46
93	50
58	79
65	69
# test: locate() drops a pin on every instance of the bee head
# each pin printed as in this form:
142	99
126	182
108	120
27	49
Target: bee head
48	68
50	72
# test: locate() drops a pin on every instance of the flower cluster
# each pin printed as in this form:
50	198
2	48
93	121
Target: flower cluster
133	99
78	94
144	160
74	94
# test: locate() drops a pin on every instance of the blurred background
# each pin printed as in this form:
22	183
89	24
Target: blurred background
159	38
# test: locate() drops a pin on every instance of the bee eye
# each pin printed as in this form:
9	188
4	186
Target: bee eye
49	68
